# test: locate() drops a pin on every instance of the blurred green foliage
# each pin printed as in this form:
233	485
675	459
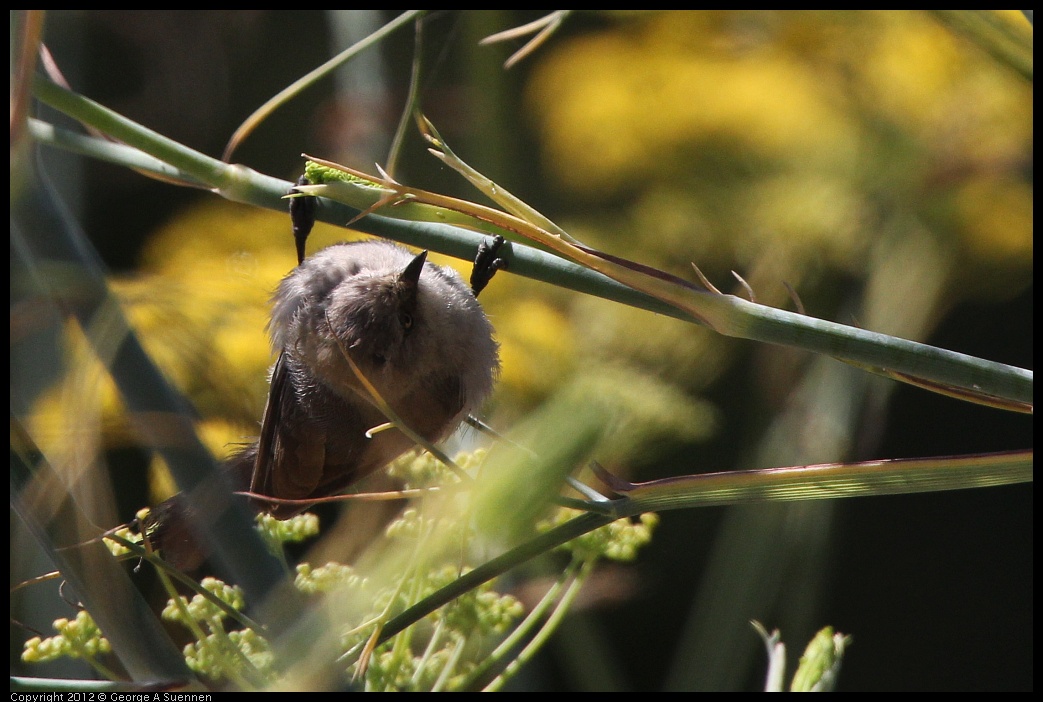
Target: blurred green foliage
876	162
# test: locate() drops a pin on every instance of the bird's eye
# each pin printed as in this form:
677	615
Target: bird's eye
379	359
406	320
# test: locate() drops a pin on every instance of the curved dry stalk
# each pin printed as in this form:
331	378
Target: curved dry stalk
544	27
305	81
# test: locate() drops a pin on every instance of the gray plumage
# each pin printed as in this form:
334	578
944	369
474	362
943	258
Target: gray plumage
415	331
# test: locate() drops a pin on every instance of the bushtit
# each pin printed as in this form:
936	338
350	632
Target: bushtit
412	328
416	332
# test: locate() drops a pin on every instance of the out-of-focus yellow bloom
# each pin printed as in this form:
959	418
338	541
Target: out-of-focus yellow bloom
617	108
536	347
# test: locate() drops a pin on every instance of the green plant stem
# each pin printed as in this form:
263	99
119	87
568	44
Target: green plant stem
305	81
497	566
733	316
737	487
994	35
830	481
158	413
494	661
549	627
47	505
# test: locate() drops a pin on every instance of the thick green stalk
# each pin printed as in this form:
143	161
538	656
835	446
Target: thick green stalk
435	230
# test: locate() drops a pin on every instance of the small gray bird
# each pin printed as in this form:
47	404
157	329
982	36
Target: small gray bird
413	329
416	332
